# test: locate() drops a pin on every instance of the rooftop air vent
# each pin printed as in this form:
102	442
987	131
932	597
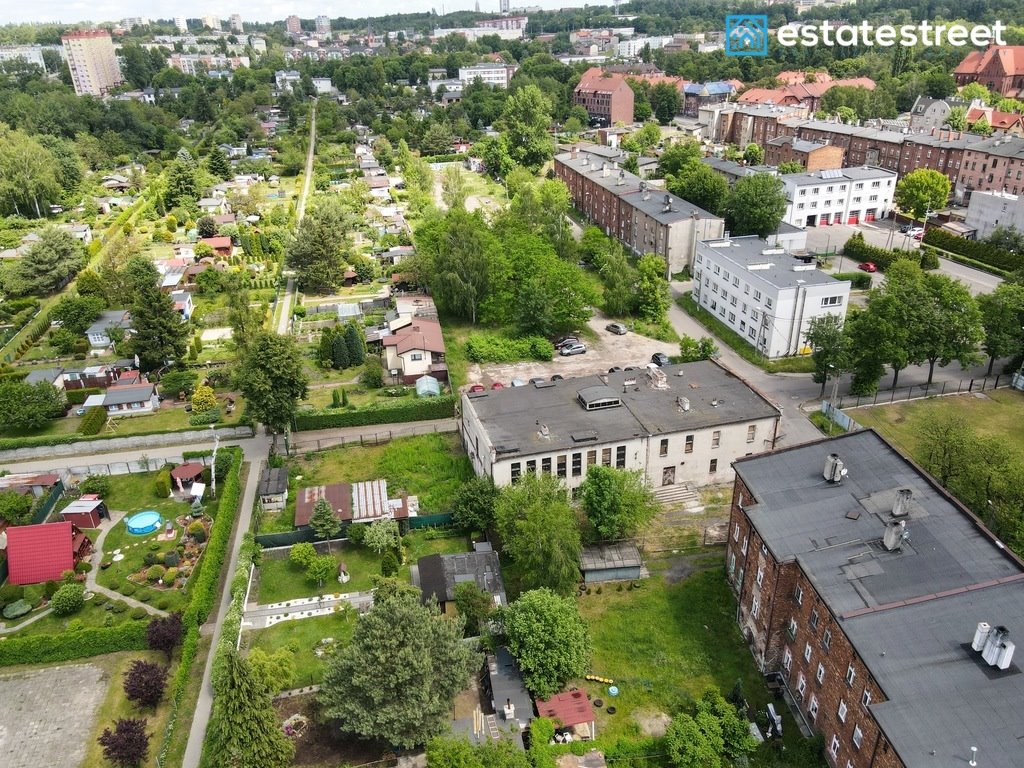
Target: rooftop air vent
895	535
834	470
901	504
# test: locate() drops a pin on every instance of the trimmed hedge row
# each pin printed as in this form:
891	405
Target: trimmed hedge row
860	250
442	407
94	420
13	443
861	280
973	249
78	396
494	348
92	641
1003	273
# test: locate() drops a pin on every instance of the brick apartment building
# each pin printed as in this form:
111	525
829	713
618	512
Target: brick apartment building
995	164
607	97
741	125
812	155
1000	68
644	219
861	584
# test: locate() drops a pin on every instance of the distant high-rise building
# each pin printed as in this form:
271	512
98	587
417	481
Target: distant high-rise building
323	25
503	5
182	24
293	25
30	54
212	22
236	22
92	61
131	22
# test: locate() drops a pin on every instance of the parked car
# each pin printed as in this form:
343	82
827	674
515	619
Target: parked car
538	380
517	383
617	328
916	232
868	266
80	410
565	341
557	377
477	388
614	369
573	349
918	235
659	359
497	385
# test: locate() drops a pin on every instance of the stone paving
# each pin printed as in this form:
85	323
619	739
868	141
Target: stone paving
46	715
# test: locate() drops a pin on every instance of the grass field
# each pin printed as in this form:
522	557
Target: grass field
665	644
92	614
301	637
998	413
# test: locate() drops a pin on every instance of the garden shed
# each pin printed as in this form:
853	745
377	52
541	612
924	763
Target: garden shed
610	562
85	512
571	712
186	474
427	386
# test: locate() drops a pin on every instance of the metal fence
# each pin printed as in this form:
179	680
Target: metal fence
301	444
920	391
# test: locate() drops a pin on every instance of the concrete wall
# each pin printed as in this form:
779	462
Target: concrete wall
127	443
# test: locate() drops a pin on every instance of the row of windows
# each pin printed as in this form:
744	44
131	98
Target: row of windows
577	463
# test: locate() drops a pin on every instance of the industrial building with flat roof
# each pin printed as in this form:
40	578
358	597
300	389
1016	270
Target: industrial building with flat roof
882	605
678	424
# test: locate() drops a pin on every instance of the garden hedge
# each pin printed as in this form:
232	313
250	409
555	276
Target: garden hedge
494	348
977	251
442	407
78	396
861	280
45	441
94	420
858	249
93	641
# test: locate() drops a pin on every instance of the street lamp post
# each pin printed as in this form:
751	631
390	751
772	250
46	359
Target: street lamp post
832	400
213	470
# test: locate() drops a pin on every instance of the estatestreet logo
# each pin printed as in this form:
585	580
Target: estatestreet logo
746	35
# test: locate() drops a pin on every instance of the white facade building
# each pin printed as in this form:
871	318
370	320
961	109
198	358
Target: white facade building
235	22
498	75
323	85
988	210
765	294
677	424
181	23
630	49
287	79
323	25
30	54
838	196
92	61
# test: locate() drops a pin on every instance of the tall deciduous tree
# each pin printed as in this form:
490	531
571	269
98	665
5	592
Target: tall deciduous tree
548	639
830	345
49	263
472	504
677	156
453	187
29	406
952	324
159	334
922	191
28	175
539	532
617	502
271	377
525	121
397	678
652	292
475	605
1002	315
243	730
382	535
665	101
77	313
753	154
457	253
701	185
245	320
756	205
317	252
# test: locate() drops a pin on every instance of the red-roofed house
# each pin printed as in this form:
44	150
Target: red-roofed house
802	94
38	553
416	350
571	710
1001	122
1000	68
606	97
221	245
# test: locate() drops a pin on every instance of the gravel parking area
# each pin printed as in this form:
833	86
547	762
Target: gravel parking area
609	350
46	715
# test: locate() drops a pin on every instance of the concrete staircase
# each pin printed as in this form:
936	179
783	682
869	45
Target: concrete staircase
681	497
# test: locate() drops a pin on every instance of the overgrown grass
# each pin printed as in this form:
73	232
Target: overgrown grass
824	424
736	342
115	706
999	414
664	645
301	637
281	581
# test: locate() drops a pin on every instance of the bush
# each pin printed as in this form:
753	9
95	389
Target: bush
389	564
857	248
417	409
356	533
861	281
138	612
119	606
197	531
171	559
16	609
93	421
50	589
169	576
34	594
150	558
162	484
98	484
211	416
83	567
67	576
78	396
975	250
163	603
10	593
494	348
155	573
68	599
127	590
372	376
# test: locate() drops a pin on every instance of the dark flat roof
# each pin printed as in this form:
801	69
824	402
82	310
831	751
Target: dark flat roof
622	554
909	614
441	574
274	480
512	417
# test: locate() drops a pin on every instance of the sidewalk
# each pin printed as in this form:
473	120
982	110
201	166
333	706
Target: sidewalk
97	558
263	616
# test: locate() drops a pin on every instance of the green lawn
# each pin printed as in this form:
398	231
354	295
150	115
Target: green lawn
301	637
998	414
133	493
281	581
92	614
664	644
135	548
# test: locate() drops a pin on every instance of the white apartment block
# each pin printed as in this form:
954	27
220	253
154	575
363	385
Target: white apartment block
323	25
988	210
181	23
678	424
838	196
491	74
630	49
212	22
30	54
765	294
92	61
287	79
235	22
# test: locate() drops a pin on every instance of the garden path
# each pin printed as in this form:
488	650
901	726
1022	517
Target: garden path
4	630
263	616
97	557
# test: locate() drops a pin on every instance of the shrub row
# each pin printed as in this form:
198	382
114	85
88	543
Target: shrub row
379	413
1003	273
494	348
94	420
93	641
452	158
13	443
861	280
78	396
973	249
858	249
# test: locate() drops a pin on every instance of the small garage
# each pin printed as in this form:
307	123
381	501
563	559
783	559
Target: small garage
85	512
610	562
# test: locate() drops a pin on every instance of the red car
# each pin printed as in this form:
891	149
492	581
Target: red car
868	266
497	385
477	388
919	235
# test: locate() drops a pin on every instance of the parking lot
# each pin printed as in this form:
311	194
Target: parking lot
609	350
